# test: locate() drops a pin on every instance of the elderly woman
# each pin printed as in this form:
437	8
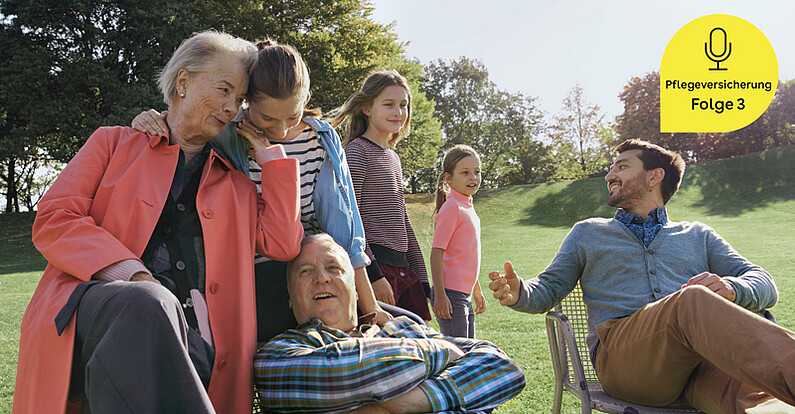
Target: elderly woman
150	240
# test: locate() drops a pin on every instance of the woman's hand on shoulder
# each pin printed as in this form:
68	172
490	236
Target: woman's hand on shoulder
151	122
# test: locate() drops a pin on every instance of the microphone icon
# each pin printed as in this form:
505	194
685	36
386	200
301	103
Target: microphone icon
710	51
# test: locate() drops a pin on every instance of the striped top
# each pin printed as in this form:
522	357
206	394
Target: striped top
310	155
315	368
378	183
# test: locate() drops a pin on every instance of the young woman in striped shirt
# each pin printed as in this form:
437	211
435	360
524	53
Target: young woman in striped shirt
376	118
278	94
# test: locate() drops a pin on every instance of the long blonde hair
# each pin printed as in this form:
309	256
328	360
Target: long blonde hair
350	116
451	159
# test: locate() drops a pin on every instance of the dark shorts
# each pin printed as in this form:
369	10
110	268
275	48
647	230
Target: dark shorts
407	289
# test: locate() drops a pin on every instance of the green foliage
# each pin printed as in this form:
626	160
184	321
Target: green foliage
575	134
499	125
98	62
70	67
420	149
339	41
773	129
641	119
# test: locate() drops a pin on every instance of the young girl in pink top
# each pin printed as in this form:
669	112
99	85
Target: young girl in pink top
455	257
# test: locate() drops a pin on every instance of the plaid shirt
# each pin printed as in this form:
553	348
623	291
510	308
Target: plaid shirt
321	369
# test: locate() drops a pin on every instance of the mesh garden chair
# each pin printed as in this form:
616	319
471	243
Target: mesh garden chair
567	327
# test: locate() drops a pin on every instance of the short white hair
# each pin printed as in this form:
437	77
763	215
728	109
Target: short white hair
200	53
332	245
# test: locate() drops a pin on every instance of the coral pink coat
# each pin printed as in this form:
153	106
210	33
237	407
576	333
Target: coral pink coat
103	209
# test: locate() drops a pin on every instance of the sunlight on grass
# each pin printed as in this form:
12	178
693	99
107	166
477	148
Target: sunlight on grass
525	224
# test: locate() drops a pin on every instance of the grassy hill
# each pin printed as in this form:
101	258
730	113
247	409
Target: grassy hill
749	200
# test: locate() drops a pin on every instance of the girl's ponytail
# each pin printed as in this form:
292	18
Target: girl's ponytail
441	192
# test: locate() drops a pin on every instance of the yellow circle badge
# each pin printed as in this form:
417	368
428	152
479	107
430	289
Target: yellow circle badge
719	73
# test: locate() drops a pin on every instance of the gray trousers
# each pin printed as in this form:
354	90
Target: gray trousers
131	352
462	323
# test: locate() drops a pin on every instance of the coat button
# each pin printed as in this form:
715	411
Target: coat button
222	365
214	288
208	213
180	265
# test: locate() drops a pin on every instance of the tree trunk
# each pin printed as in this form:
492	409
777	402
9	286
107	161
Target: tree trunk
12	198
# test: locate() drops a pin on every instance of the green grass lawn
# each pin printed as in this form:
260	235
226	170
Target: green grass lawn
749	200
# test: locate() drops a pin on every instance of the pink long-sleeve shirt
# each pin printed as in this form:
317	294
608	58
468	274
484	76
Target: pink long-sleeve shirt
458	233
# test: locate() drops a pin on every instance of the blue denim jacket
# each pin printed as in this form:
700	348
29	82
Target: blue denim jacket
334	199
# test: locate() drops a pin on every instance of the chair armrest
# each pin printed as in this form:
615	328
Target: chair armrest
559	364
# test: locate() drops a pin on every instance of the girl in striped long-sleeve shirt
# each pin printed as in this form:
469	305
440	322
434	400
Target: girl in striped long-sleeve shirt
377	117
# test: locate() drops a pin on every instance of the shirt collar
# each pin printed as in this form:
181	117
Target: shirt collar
455	195
657	216
367	326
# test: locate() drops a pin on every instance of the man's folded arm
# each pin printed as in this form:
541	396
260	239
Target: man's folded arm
483	378
297	375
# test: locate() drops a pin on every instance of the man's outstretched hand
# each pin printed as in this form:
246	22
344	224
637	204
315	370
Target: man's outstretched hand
505	287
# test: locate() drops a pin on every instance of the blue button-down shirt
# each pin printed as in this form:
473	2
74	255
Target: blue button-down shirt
646	230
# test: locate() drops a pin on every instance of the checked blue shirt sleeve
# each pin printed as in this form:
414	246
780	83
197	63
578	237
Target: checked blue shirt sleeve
315	368
482	379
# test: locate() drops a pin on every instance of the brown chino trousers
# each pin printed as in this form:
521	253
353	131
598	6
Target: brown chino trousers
696	347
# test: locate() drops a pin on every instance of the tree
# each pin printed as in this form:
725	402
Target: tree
338	39
473	111
24	80
641	119
419	150
70	67
774	128
575	134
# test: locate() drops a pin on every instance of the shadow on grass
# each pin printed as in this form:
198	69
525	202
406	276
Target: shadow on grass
17	252
731	187
728	187
575	201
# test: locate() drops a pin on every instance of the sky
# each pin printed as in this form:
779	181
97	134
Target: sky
544	47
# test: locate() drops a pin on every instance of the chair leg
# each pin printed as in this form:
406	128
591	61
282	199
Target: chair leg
558	401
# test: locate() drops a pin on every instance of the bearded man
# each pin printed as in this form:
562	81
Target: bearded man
672	307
